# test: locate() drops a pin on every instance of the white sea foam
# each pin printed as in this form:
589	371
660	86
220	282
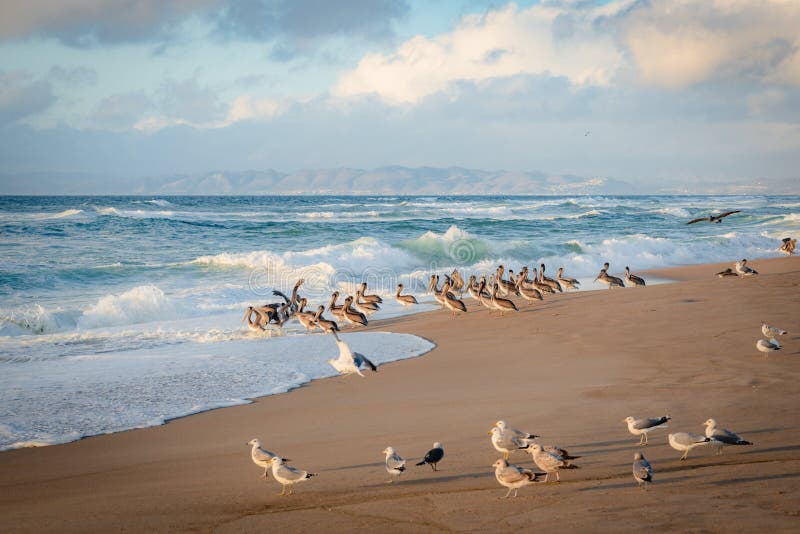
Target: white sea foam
66	399
141	304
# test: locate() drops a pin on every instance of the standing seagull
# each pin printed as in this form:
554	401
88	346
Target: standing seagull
433	456
395	465
549	462
641	427
768	346
714	218
512	476
686	441
632	279
505	441
288	476
261	457
743	270
350	362
771	331
642	471
721	437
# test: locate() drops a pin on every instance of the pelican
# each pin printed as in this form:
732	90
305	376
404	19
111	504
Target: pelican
293	301
505	286
543	288
369	298
405	300
451	302
714	218
727	272
458	281
433	287
350	362
788	245
336	310
569	283
610	281
548	281
720	436
743	270
632	279
288	476
771	331
326	325
768	346
352	316
307	319
501	304
253	324
531	294
367	308
483	297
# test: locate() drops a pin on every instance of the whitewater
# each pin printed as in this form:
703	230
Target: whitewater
125	312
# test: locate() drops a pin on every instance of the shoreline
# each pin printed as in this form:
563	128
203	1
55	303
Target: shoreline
453	395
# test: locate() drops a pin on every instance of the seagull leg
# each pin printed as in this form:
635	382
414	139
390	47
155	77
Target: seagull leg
284	490
546	476
291	489
508	493
505	455
645	438
558	477
684	454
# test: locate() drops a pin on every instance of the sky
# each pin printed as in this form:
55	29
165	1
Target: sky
647	91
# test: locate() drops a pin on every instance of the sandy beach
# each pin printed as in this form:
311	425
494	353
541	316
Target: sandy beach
570	369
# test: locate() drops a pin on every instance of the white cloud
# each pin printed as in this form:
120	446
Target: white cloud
501	43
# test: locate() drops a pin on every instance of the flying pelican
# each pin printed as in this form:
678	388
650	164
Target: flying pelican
720	436
714	218
768	346
569	283
686	441
641	427
512	476
501	304
352	316
288	476
369	298
405	300
632	279
395	464
327	326
350	362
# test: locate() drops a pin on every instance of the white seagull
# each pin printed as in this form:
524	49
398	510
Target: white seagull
768	346
395	464
350	362
721	437
642	470
641	427
288	476
686	441
512	476
771	331
261	457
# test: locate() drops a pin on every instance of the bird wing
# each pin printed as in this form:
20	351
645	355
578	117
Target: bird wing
698	220
642	469
513	474
641	424
434	455
344	350
359	359
725	214
263	455
725	436
395	462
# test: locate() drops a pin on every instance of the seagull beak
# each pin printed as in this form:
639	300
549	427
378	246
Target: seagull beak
489	432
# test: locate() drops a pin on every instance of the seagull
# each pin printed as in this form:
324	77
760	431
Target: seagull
549	462
519	434
771	331
587	133
642	470
395	465
768	346
743	270
685	441
640	427
288	476
433	456
350	362
714	218
504	441
261	457
512	476
720	436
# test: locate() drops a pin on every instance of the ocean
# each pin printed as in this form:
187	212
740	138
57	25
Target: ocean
125	312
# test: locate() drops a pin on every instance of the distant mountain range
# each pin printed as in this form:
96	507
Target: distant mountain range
394	180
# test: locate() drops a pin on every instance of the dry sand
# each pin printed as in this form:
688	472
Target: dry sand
569	369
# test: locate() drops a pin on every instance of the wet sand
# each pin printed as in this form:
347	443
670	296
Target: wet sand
570	368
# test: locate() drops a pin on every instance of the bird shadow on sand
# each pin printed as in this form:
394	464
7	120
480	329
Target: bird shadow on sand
774	449
623	485
602	444
762	478
354	466
433	479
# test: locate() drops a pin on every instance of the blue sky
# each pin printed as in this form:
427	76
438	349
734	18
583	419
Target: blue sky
668	89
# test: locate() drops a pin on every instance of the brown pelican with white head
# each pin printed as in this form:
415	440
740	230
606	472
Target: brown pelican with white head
565	281
632	279
502	305
405	300
375	299
352	316
327	326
